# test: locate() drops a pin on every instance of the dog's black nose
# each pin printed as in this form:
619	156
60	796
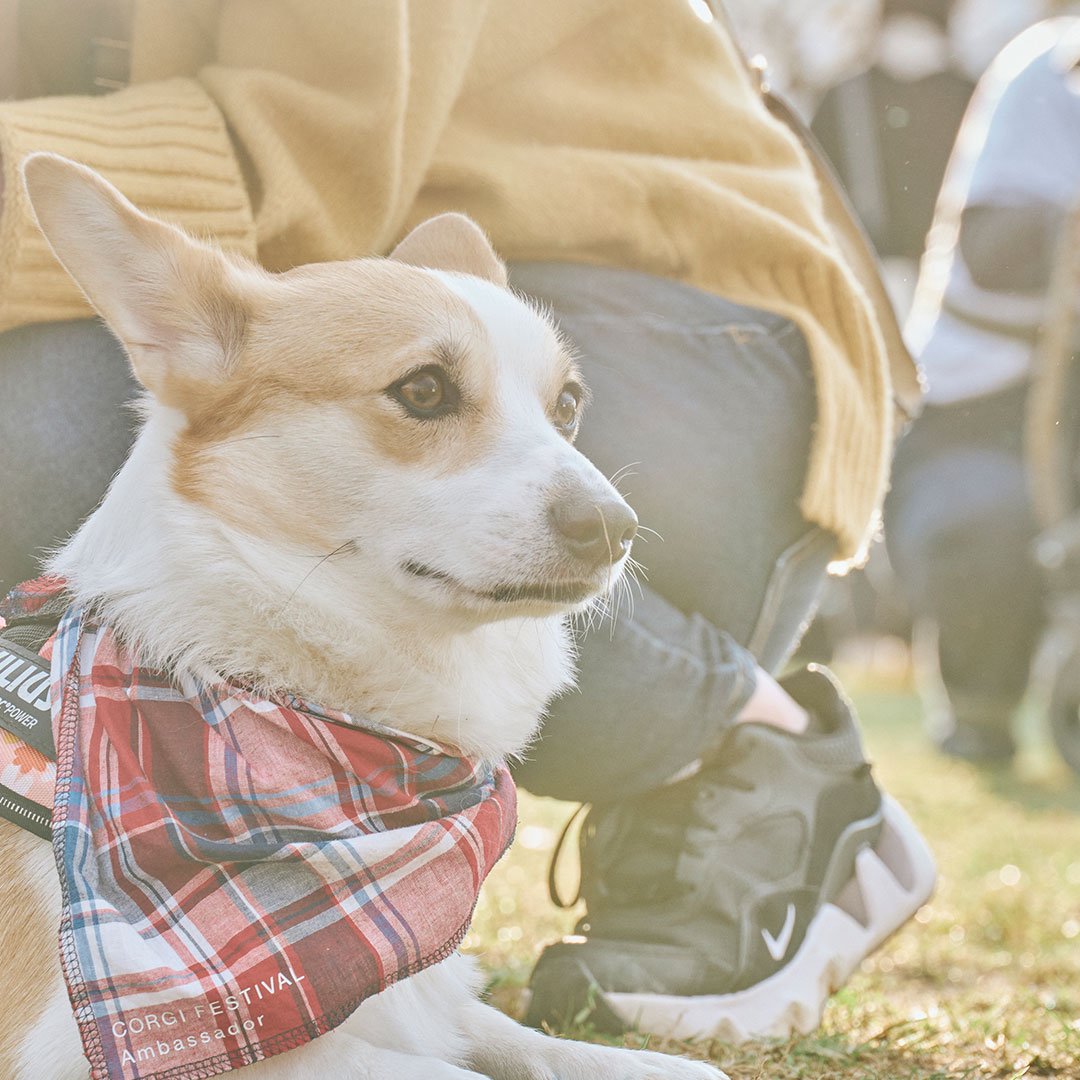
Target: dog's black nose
595	531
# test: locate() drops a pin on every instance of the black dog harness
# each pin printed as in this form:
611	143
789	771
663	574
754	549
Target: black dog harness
27	753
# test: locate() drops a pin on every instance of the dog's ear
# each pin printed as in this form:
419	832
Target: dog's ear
173	303
452	242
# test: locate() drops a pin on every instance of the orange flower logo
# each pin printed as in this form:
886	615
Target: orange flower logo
29	760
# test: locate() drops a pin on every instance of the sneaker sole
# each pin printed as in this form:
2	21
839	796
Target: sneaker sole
891	882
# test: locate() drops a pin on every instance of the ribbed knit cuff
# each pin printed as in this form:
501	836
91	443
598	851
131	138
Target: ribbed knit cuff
163	144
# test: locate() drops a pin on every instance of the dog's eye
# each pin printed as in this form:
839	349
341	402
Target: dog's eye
427	393
567	407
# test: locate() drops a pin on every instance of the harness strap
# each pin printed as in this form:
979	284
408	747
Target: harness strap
27	752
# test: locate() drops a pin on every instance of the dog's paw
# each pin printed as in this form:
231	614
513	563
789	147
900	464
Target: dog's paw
647	1065
339	1056
504	1050
689	1070
582	1061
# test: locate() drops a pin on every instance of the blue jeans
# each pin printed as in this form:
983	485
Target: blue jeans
710	403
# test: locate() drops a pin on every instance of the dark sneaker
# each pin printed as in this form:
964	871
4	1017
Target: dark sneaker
733	903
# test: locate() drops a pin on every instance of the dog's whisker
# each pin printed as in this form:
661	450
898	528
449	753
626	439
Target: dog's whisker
586	619
333	554
620	593
607	540
397	693
615	614
618	474
247	438
459	710
599	611
337	551
645	528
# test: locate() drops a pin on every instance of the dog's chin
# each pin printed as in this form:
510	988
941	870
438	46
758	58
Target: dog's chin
540	597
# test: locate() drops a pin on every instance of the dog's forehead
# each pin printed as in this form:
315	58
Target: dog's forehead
523	341
374	304
365	319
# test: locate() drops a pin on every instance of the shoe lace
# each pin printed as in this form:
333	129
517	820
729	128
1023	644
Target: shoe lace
553	884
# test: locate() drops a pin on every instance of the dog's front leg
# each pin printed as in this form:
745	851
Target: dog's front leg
340	1056
504	1050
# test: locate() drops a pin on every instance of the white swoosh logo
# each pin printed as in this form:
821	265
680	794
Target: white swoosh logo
778	945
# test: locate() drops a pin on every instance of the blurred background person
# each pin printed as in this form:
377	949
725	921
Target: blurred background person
889	130
959	520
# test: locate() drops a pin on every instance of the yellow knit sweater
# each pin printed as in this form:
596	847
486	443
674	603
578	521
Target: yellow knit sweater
594	131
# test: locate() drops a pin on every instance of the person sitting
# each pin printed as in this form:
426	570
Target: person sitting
959	523
621	157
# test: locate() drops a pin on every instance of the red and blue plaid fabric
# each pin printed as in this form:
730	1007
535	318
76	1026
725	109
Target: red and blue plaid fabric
238	873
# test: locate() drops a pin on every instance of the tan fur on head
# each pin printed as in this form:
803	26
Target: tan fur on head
290	378
452	242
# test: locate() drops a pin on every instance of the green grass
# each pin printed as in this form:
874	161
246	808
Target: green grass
984	983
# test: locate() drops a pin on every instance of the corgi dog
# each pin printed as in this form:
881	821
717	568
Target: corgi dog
356	483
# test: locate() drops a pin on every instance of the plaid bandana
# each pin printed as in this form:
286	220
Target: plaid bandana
239	874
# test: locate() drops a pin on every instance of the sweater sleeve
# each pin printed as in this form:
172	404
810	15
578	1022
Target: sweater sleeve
164	144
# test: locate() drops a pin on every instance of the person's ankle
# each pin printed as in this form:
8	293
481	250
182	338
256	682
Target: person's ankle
771	704
976	727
